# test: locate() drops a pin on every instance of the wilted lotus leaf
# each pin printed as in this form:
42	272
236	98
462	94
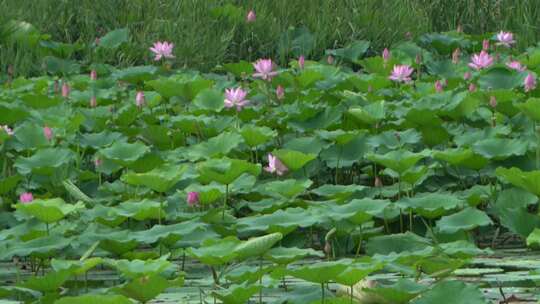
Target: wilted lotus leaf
529	181
431	205
400	160
287	255
225	170
49	210
237	294
467	219
160	179
215	252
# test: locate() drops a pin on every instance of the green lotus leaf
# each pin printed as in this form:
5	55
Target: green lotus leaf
76	267
137	268
215	252
147	287
288	189
46	161
451	292
169	234
239	69
348	154
225	170
124	153
160	179
320	272
340	192
237	294
405	242
12	113
431	205
41	101
255	135
257	246
294	160
141	210
136	74
466	219
215	147
9	183
500	148
462	157
44	247
463	249
209	99
114	38
30	135
531	108
400	292
92	299
49	210
283	221
370	114
390	140
207	193
399	160
50	282
353	211
500	78
287	255
357	271
533	240
352	52
529	181
98	140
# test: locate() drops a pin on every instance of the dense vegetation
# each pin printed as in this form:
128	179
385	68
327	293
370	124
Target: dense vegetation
357	177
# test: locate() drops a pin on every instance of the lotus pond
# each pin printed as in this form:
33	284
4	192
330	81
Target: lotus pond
407	177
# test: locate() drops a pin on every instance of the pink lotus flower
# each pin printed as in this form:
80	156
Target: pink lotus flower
250	17
235	97
280	92
330	59
472	87
192	198
401	73
386	55
275	166
93	102
65	90
480	61
505	38
516	65
529	82
301	61
139	99
7	129
26	197
48	132
493	101
264	69
93	75
455	56
438	86
162	50
467	75
485	45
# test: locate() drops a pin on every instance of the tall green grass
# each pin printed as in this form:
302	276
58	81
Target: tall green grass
204	39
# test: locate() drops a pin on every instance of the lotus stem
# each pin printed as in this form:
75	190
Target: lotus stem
225	201
260	279
322	293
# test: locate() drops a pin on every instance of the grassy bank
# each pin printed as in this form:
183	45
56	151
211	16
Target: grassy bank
210	32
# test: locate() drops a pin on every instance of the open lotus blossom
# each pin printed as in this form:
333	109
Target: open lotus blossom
467	75
235	97
493	101
516	65
251	17
139	99
529	82
401	73
264	69
301	61
26	197
65	90
455	56
275	166
48	132
386	55
7	129
472	87
505	38
485	45
162	50
192	198
481	60
280	92
93	102
93	75
438	86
